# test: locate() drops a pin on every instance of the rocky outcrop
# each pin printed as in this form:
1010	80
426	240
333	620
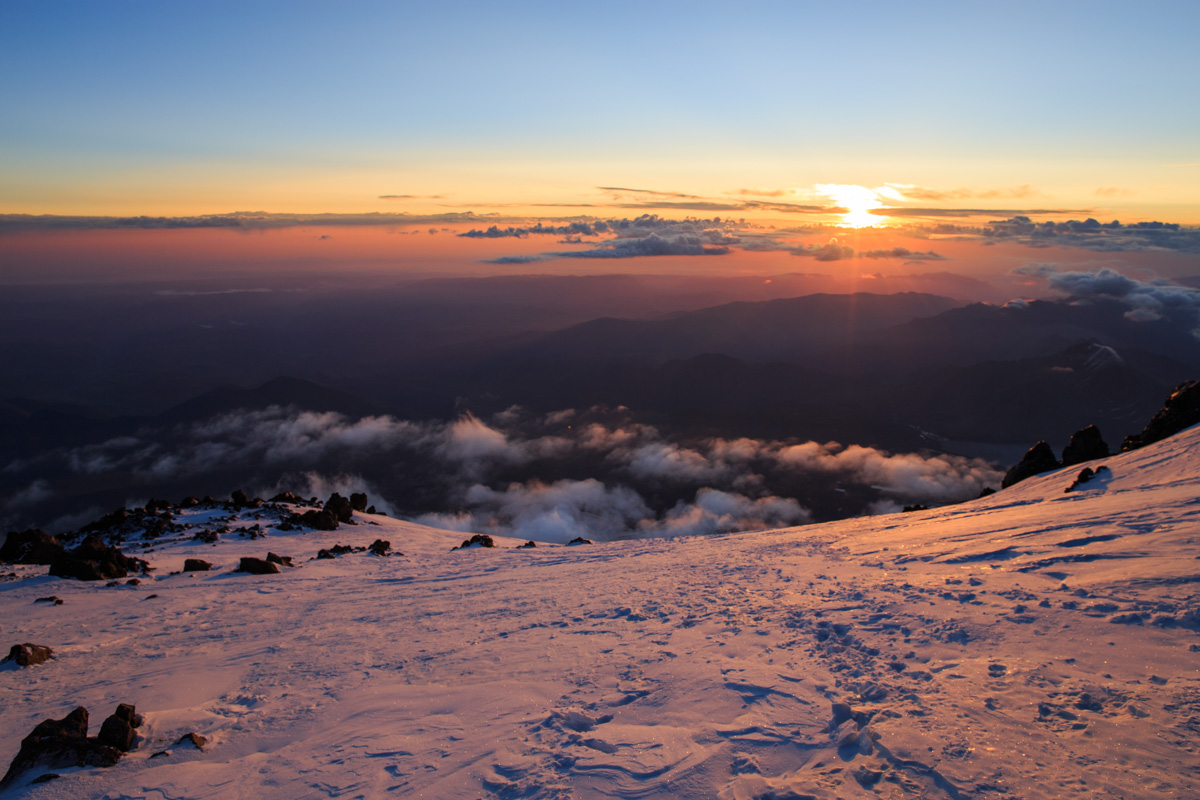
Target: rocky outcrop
1085	445
380	547
196	565
478	540
94	561
30	547
317	520
340	507
1040	458
257	566
358	501
1180	410
60	743
28	654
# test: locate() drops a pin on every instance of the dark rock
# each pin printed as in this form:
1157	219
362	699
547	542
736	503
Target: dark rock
128	712
530	543
60	743
157	504
987	490
30	547
27	655
1180	410
340	507
1085	445
94	561
286	497
49	776
239	498
133	582
917	507
358	501
283	561
1085	475
208	537
194	739
579	540
116	733
371	510
324	554
256	566
478	540
1040	458
317	520
380	547
51	599
189	502
196	565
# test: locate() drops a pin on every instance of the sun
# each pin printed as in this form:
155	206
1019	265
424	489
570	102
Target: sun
859	202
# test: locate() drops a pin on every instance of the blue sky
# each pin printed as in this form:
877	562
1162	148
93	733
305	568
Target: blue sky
203	107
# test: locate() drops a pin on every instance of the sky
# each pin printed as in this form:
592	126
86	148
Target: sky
762	110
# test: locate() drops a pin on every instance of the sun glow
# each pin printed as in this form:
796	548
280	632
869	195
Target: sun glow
859	202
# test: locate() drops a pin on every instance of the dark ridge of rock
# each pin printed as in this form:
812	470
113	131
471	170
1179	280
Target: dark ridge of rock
317	520
116	733
1085	445
478	540
371	510
287	497
57	743
283	561
29	654
30	547
340	507
93	560
380	547
51	599
189	502
987	491
1040	458
579	540
239	498
257	566
1085	475
530	543
196	565
157	504
358	501
1180	410
917	507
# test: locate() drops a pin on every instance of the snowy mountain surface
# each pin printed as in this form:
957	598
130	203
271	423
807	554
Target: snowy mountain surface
1035	643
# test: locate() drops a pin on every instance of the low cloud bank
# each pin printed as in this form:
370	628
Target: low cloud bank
596	473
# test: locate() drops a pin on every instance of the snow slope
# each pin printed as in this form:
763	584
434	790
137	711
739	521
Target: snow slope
1031	644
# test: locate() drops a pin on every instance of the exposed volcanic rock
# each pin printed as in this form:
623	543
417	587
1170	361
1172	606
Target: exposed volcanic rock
380	547
28	654
196	565
324	520
1085	445
340	507
94	560
58	743
1040	458
478	540
30	547
257	566
1180	410
358	501
579	540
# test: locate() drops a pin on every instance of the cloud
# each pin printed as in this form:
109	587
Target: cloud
903	252
411	197
714	511
651	245
1091	234
570	229
619	190
1147	300
31	495
315	484
554	512
517	259
832	251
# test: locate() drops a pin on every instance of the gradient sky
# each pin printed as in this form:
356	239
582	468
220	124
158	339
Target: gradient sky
1092	109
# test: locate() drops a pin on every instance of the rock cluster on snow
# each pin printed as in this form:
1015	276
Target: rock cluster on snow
64	743
1085	445
28	654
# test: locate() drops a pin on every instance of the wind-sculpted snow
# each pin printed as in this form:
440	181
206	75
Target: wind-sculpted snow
1032	644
